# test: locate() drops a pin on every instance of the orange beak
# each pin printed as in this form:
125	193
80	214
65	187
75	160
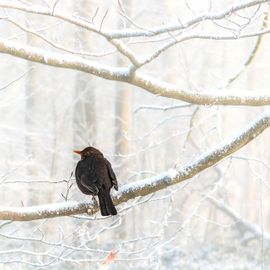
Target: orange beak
77	152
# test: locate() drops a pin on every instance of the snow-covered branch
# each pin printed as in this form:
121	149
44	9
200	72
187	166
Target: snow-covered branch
62	60
173	42
146	186
127	33
72	59
150	84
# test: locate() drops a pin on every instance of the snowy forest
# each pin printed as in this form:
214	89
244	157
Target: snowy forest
175	94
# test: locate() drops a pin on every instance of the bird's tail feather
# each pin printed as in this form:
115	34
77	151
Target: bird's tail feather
106	205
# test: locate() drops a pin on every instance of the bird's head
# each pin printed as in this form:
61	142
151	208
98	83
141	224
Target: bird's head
88	151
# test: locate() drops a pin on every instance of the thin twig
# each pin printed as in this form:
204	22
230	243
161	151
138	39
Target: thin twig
16	79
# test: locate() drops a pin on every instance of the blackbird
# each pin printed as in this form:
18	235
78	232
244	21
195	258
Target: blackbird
95	176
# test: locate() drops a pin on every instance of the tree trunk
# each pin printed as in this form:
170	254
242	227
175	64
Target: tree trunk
84	117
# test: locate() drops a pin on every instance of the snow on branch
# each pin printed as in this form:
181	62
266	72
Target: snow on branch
150	84
127	33
45	211
62	60
146	186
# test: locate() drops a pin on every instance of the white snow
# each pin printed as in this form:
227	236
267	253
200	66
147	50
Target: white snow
40	209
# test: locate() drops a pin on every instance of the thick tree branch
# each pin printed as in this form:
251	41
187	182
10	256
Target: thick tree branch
146	186
148	83
160	88
63	60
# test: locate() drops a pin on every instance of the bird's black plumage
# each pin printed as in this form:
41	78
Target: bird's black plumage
95	176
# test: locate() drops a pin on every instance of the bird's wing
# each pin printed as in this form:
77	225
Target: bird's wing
89	185
111	174
87	177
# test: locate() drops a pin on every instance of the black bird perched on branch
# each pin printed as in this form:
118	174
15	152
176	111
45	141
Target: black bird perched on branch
95	176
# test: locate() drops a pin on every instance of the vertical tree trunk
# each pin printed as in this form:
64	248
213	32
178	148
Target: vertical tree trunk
84	117
121	144
30	112
122	117
122	122
32	115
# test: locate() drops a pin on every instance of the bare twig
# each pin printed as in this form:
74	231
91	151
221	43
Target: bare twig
15	80
54	6
159	108
94	16
252	54
103	19
242	224
110	34
56	45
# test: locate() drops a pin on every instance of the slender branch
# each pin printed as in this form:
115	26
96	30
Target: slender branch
56	45
113	34
41	10
123	13
175	27
188	37
151	84
252	54
160	108
242	224
146	186
15	80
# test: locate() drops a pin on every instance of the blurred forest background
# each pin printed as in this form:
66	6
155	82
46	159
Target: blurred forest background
219	219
